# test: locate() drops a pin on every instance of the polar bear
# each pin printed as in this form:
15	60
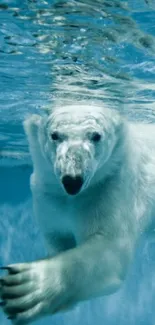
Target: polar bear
93	188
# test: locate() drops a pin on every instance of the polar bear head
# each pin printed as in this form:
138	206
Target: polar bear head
79	142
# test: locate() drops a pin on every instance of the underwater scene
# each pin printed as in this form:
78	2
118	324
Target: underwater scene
64	52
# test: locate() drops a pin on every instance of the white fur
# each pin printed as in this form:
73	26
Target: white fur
91	236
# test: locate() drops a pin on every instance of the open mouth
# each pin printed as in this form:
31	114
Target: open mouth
72	185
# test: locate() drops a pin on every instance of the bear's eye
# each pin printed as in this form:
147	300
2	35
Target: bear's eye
55	136
96	137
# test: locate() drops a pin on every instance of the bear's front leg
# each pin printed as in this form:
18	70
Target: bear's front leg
95	268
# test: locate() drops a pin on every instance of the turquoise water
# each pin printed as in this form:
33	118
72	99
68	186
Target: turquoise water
60	52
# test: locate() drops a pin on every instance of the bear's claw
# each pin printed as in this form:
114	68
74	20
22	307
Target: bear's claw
23	291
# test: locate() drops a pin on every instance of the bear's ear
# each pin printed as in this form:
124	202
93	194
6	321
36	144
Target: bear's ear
31	126
117	120
47	110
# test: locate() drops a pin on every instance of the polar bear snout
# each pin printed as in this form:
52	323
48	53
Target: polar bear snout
72	184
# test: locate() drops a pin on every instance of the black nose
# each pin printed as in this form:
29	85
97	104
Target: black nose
72	184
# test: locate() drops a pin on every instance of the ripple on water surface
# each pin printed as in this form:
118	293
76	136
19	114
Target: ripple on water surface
64	51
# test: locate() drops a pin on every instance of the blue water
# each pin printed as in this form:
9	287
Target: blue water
101	51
